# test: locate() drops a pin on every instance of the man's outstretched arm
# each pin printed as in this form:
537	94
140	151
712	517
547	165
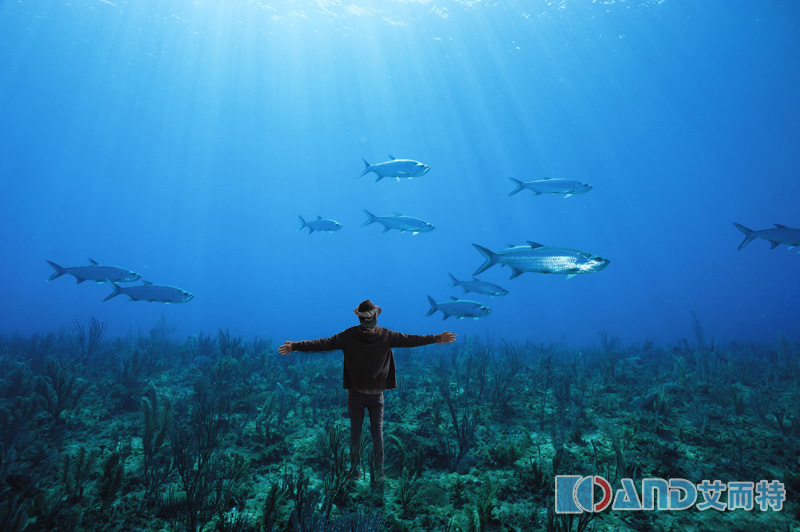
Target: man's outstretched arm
322	344
415	340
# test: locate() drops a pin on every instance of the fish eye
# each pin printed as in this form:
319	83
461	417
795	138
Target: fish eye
598	259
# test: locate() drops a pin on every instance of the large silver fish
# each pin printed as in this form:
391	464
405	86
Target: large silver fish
398	168
459	308
478	286
399	222
549	185
151	292
537	258
95	272
780	235
320	224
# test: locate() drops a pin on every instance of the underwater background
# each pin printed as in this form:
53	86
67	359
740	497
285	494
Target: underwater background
182	139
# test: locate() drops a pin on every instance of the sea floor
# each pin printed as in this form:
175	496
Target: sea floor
215	432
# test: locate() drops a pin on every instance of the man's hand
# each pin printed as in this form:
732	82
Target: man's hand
286	348
447	337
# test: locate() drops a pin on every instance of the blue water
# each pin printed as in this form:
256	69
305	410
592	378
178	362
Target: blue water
182	139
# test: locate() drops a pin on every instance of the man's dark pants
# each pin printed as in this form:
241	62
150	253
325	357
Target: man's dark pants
373	403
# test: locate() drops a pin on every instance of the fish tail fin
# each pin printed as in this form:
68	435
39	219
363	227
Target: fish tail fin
370	218
367	169
519	186
304	224
434	306
749	234
117	291
491	259
455	281
59	271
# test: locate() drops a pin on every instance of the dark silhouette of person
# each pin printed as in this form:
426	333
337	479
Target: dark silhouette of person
368	370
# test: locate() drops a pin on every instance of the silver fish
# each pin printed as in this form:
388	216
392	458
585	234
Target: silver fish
459	308
151	292
478	286
95	272
320	224
549	185
537	258
780	235
399	222
398	168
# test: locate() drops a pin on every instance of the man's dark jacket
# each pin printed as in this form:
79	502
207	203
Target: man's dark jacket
368	357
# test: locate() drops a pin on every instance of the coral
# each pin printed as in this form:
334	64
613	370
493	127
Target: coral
59	390
75	472
194	442
111	479
156	425
90	342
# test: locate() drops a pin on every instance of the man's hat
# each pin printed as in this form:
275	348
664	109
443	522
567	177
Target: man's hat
367	314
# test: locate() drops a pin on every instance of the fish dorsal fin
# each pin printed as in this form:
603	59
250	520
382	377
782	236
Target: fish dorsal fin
475	278
512	245
779	226
547	178
391	157
534	245
454	298
94	262
146	283
319	217
398	213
